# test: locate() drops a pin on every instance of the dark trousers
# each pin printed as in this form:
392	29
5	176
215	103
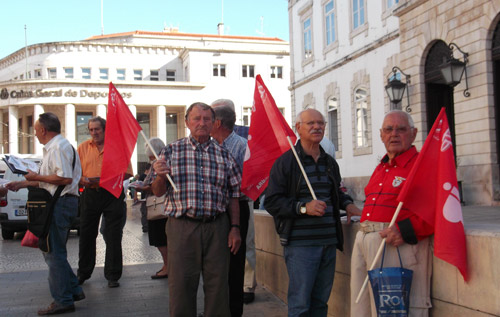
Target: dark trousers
94	203
237	265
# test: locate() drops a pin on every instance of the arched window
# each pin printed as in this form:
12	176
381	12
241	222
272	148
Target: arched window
361	117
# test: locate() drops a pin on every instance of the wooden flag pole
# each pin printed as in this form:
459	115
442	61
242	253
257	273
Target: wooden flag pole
379	251
156	156
301	168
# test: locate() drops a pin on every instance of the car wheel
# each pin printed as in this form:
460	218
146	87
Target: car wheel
7	234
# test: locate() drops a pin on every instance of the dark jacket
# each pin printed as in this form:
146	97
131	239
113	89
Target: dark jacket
281	199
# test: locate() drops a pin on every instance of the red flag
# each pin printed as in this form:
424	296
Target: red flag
120	138
431	191
266	141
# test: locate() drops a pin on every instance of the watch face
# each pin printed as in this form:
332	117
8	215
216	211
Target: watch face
303	210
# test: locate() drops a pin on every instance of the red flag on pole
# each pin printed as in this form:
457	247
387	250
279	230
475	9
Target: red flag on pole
431	192
266	141
120	138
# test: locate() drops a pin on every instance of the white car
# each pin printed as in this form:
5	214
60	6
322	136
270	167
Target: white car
13	214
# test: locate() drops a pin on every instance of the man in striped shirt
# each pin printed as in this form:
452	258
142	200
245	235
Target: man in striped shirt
200	234
310	229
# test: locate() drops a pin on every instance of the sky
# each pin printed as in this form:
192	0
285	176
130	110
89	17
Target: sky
73	20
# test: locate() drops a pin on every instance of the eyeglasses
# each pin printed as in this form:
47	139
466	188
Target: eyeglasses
399	130
311	123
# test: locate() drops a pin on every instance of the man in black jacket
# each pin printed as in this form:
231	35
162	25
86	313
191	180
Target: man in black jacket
309	229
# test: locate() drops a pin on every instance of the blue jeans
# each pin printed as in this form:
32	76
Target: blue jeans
63	283
310	271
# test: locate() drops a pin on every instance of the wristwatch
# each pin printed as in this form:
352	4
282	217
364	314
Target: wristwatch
303	209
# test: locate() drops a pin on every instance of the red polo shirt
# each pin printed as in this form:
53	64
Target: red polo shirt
383	189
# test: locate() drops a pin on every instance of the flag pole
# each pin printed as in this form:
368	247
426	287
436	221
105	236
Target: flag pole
156	156
379	251
301	168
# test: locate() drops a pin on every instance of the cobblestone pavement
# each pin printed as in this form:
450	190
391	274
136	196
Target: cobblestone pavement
24	286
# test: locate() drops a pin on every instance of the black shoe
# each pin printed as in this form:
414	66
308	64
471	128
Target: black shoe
81	280
113	284
79	297
54	309
248	297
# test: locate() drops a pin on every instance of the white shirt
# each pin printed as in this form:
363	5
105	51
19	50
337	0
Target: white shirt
58	159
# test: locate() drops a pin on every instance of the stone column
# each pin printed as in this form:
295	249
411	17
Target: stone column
37	111
70	124
13	130
133	159
161	123
101	111
2	141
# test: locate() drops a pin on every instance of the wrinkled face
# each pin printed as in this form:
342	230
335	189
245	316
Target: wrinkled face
200	123
397	134
96	132
311	127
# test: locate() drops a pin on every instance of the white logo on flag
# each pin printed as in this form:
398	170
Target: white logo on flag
452	211
446	142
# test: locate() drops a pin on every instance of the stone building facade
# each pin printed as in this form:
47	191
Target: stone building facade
343	54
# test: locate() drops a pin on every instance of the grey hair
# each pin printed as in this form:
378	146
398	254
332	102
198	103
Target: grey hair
402	114
157	145
298	119
223	102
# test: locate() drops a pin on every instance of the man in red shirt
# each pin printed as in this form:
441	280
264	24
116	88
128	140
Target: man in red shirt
409	233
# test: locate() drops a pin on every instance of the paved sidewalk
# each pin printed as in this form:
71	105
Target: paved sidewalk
23	293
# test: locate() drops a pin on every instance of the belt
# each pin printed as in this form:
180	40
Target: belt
205	219
370	226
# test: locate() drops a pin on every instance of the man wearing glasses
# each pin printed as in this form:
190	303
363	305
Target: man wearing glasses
309	229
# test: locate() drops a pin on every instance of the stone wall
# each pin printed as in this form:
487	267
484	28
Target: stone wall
451	296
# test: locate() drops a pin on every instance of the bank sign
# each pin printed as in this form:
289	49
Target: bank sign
44	93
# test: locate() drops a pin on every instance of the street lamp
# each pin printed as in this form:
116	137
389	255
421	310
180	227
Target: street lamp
395	88
453	69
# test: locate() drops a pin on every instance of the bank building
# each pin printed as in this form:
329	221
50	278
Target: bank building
158	74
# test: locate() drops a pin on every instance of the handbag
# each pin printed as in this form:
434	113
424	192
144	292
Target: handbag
155	207
391	289
29	240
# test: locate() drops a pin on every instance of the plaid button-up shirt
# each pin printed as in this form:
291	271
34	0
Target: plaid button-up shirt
206	175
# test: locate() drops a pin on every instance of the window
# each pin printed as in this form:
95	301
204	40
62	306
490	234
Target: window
103	73
248	71
170	75
137	74
68	72
86	73
31	135
358	13
120	73
391	3
82	133
154	75
247	113
307	38
38	73
144	121
276	71
219	70
172	133
361	117
52	73
330	23
333	132
21	77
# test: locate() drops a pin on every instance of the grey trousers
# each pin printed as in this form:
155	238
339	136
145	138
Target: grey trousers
196	248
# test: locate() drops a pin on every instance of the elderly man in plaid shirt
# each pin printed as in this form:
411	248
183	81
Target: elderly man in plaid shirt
200	233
